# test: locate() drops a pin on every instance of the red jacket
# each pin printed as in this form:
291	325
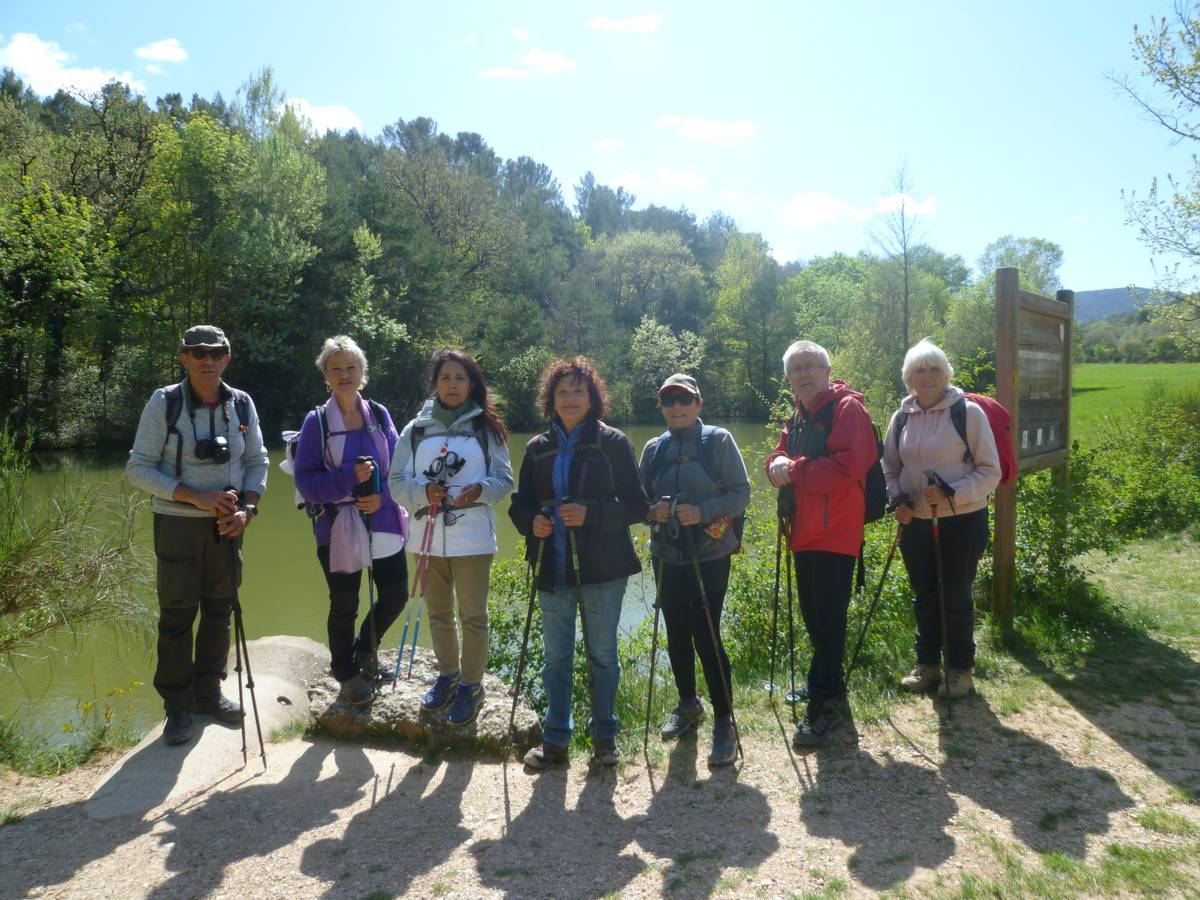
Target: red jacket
829	490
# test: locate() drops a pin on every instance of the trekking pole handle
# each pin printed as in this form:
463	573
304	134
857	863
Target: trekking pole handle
373	484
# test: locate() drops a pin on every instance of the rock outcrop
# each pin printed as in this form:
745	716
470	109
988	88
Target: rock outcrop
397	712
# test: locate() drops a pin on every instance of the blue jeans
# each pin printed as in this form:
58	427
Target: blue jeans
602	605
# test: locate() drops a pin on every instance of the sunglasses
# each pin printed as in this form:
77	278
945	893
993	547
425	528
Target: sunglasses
217	353
673	398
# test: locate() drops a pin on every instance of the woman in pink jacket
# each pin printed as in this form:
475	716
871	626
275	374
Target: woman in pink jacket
924	445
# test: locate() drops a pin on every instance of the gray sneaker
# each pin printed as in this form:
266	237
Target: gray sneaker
357	691
724	743
683	719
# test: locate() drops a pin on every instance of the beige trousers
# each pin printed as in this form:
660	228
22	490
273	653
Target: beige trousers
464	577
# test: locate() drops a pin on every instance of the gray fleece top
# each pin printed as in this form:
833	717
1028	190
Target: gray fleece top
680	471
151	465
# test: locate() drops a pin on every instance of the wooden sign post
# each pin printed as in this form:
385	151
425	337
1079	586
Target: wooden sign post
1033	381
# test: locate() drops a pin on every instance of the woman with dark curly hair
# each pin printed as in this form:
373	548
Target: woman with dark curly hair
579	491
451	467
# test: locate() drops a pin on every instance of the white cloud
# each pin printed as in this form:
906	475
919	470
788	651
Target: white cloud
814	209
608	145
325	118
75	28
646	23
469	39
153	69
543	63
1078	219
716	131
680	178
166	50
44	66
519	33
535	62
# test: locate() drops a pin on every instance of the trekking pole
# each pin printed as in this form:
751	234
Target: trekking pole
373	487
718	650
239	635
422	563
931	479
587	642
536	573
237	670
657	566
874	602
775	604
791	698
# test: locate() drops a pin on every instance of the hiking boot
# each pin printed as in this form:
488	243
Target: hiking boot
220	708
178	729
921	678
545	755
371	668
799	695
605	752
683	719
820	719
440	695
357	691
724	742
957	684
467	700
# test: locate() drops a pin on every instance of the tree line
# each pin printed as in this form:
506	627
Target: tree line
122	223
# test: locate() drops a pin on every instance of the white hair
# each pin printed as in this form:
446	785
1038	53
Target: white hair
805	347
342	344
925	353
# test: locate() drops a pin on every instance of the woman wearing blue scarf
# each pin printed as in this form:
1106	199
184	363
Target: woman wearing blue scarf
578	492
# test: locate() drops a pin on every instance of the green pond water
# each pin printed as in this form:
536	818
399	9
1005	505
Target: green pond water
283	592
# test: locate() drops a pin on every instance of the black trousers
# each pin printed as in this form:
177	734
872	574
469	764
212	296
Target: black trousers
196	574
963	540
688	633
391	584
823	582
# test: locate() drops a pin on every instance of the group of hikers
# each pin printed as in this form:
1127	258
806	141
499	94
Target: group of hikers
199	451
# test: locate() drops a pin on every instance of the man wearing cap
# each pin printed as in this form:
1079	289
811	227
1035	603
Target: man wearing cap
820	466
199	452
697	482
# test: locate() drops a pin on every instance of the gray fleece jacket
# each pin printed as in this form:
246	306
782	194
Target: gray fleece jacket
151	465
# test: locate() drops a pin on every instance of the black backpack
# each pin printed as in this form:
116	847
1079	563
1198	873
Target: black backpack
174	395
707	436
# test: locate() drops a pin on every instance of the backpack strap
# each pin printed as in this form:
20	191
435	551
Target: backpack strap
174	395
658	461
708	437
241	407
901	421
958	416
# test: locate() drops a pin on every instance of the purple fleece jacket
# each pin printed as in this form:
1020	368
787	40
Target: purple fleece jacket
317	484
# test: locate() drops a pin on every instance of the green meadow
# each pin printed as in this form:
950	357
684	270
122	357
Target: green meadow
1102	390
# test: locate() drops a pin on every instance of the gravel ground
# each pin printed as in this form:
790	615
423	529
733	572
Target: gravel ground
915	802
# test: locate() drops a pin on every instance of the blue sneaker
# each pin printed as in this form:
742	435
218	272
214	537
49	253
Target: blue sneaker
467	701
441	693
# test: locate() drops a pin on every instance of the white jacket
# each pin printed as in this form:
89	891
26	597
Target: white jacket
474	530
930	441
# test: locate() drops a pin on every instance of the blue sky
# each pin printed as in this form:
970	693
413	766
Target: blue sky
793	117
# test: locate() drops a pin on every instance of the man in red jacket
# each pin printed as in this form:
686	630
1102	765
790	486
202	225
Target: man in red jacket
821	461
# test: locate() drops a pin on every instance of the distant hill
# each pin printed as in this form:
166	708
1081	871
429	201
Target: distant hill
1093	305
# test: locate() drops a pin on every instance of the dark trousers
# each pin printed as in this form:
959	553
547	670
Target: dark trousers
196	573
823	582
963	540
391	584
688	632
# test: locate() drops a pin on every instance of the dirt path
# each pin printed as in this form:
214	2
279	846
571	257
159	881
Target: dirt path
915	803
